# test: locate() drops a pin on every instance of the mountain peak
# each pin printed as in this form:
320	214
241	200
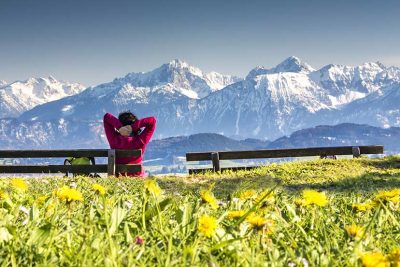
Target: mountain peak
373	65
293	64
177	63
290	64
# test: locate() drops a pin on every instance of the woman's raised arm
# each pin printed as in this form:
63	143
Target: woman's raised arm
149	124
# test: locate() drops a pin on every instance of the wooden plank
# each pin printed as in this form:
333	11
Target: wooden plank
53	153
111	162
122	168
67	153
283	153
102	168
198	156
365	150
121	153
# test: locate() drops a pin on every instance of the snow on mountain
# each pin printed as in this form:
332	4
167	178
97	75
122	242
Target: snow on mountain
15	134
291	64
269	103
145	91
20	96
380	108
179	77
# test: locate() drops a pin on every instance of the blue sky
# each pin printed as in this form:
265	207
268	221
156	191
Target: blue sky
95	41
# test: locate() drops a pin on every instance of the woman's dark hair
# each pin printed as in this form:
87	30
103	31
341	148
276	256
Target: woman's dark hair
126	118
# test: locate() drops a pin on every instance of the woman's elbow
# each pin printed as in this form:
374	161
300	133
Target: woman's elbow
153	120
106	116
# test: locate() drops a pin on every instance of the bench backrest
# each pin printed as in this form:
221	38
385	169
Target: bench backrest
111	168
216	156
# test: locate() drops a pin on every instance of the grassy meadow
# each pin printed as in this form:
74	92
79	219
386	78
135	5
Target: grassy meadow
310	213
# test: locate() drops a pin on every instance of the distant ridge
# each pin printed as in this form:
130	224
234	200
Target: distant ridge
345	134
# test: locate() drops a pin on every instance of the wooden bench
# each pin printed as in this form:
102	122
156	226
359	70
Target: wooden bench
111	168
216	156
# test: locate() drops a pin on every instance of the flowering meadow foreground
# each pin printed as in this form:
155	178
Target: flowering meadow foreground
315	213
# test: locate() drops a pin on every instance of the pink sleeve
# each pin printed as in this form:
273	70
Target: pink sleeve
150	125
110	124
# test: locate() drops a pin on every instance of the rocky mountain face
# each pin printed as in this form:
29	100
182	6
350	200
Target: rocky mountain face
267	104
20	96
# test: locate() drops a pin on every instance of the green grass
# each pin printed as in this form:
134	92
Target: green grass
102	230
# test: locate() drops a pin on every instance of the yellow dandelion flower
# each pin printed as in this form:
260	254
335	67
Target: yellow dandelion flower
208	197
19	184
394	257
235	214
312	197
247	194
3	195
69	194
374	259
354	231
152	187
207	225
362	206
99	189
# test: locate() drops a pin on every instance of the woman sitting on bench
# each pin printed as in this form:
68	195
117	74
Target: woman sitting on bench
125	133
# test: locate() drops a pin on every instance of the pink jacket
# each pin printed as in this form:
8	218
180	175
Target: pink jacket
140	141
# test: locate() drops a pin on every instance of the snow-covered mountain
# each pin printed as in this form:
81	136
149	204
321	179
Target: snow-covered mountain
180	78
268	103
141	92
273	102
20	96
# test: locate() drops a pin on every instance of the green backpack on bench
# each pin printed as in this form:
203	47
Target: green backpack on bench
80	161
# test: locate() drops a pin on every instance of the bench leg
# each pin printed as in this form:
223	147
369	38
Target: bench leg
111	162
215	162
356	151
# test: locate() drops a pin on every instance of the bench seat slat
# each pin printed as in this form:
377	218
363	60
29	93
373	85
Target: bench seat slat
67	153
52	168
101	168
128	168
282	153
